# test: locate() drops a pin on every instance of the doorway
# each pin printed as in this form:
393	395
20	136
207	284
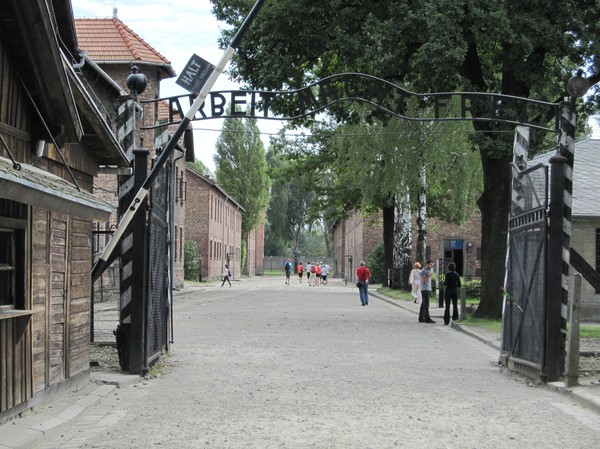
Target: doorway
454	250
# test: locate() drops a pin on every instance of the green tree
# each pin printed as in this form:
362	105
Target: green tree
199	167
524	49
290	200
191	266
241	168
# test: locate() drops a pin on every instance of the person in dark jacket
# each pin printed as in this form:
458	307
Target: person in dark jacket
452	284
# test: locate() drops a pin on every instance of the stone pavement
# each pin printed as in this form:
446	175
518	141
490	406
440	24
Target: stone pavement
50	419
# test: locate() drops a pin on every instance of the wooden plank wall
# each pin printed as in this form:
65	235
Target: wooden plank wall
40	261
59	301
61	267
80	295
56	344
15	365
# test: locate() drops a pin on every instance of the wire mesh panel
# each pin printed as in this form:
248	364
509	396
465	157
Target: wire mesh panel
158	268
106	305
524	313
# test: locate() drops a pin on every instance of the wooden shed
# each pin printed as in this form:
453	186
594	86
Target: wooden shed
53	141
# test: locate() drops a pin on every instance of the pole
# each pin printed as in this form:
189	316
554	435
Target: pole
572	371
557	273
101	264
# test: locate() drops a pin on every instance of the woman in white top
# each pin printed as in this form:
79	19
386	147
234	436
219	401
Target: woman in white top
414	279
226	275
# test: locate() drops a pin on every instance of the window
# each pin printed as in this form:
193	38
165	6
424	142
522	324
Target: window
7	267
12	265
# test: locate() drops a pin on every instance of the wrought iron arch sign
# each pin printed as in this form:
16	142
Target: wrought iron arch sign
381	94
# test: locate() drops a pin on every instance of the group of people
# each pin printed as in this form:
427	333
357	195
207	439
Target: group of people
420	280
316	273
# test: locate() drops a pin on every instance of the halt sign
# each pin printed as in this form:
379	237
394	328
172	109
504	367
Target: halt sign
194	74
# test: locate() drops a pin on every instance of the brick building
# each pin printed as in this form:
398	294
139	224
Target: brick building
358	235
214	221
355	238
110	50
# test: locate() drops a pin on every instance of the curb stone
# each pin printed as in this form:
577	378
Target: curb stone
31	430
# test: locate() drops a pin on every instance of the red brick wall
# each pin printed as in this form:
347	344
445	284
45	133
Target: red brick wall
214	222
357	236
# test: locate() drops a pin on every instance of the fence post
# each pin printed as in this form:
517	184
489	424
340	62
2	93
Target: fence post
561	189
463	303
572	371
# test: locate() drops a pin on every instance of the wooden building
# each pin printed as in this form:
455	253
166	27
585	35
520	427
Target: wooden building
53	142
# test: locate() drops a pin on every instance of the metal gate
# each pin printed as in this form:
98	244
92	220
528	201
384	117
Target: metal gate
523	333
157	311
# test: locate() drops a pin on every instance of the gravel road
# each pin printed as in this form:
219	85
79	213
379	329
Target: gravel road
265	365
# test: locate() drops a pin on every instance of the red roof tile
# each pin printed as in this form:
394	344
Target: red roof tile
110	40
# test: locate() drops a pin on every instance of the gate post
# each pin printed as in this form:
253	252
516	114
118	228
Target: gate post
559	236
139	267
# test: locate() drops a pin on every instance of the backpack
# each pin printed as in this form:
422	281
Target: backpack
288	266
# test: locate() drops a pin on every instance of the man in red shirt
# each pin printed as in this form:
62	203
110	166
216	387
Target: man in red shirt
362	275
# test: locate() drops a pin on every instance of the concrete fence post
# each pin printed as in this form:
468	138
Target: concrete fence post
572	371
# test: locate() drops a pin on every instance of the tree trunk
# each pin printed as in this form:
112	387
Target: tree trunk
422	209
388	240
295	239
402	241
494	205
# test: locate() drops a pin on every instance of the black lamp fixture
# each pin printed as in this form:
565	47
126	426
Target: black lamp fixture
577	86
136	82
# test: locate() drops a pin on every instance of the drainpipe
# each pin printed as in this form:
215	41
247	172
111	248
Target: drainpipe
234	233
85	59
174	213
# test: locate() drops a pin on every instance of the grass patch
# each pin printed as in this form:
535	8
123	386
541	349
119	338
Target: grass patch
589	331
194	283
394	293
272	273
485	323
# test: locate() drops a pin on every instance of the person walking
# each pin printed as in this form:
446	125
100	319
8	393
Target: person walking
362	276
300	270
414	279
426	274
324	273
288	271
452	284
226	276
313	272
318	274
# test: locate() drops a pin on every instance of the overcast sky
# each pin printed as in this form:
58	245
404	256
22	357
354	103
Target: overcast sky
176	29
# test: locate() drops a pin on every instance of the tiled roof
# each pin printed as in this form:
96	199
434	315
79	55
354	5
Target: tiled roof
586	170
110	40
